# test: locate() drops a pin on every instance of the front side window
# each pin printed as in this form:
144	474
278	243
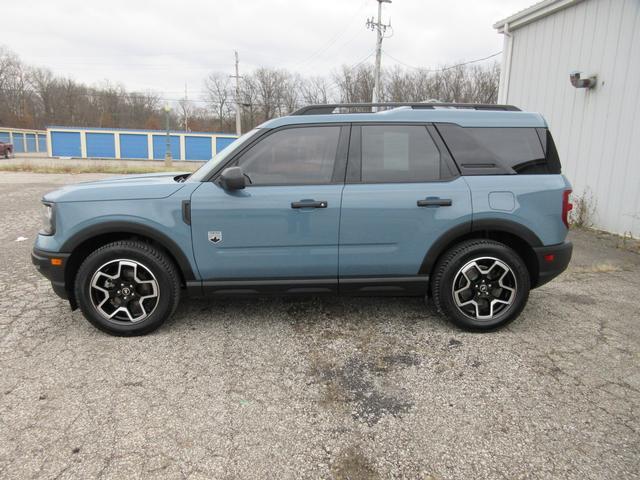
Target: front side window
295	156
397	154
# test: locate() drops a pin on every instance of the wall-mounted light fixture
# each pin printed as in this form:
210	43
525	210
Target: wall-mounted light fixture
577	82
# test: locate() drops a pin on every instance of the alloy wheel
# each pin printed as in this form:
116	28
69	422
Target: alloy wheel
484	288
124	291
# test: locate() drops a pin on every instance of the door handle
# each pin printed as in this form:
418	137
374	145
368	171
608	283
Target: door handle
309	204
435	202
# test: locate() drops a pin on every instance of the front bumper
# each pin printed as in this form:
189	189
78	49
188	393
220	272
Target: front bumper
552	261
54	273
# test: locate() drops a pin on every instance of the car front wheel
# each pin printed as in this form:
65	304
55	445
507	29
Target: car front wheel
127	288
480	284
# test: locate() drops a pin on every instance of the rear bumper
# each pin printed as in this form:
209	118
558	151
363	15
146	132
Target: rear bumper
552	261
54	273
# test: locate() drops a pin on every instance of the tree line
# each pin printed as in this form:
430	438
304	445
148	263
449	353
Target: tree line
33	97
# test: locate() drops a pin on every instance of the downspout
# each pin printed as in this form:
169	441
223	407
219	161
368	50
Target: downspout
508	42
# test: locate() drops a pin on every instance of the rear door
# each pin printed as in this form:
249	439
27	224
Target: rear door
402	193
282	229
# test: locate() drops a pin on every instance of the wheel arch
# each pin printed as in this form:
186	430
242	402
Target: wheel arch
86	241
515	235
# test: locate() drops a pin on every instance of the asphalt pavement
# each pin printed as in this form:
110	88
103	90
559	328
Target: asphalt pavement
323	387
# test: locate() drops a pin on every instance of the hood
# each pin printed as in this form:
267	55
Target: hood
127	187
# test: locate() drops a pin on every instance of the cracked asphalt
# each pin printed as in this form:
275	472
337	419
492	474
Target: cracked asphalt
319	388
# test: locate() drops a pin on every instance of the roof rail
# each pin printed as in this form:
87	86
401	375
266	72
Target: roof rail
329	108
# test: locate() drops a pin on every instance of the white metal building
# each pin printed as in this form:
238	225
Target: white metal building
596	123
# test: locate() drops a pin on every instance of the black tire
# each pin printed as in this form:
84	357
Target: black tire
448	270
154	264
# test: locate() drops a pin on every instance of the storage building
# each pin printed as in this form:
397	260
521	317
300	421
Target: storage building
578	63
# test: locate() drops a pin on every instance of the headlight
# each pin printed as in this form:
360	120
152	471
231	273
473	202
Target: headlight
48	220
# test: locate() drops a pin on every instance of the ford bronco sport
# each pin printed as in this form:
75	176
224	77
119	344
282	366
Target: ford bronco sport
463	203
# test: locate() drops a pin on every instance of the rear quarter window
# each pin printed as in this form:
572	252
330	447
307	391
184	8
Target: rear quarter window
491	151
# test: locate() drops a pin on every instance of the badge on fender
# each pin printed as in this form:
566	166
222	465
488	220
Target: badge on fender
214	237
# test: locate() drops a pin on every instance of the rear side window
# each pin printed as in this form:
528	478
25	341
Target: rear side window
400	154
295	156
488	151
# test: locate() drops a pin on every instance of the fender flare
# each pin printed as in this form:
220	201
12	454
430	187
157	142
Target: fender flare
133	228
466	228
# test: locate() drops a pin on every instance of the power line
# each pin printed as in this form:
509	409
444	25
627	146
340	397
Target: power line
433	70
335	83
334	38
167	98
362	61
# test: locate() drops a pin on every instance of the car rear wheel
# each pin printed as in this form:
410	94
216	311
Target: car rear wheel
127	288
480	284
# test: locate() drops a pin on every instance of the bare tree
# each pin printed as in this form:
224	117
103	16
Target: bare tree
355	85
186	109
290	93
218	95
314	90
269	90
35	97
44	84
249	99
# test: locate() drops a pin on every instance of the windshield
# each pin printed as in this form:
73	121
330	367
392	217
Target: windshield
205	169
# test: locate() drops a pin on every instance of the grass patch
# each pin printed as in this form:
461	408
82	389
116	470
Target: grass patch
115	169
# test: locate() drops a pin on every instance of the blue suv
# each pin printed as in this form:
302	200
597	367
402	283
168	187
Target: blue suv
463	203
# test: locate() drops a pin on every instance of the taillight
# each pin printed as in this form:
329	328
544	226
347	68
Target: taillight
566	207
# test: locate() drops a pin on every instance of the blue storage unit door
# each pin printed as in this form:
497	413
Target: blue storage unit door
160	146
222	143
101	145
197	148
4	137
18	142
42	143
133	146
65	144
31	142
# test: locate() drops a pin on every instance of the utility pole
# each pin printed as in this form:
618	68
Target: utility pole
380	29
237	77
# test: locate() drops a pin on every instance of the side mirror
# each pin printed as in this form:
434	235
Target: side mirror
232	178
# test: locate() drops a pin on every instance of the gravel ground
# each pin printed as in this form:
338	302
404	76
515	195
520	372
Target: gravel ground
319	388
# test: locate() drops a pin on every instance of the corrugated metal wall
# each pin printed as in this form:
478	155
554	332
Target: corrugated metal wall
197	148
597	131
25	140
100	145
66	144
223	142
160	146
133	144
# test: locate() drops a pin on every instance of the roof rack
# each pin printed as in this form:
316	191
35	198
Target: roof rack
329	108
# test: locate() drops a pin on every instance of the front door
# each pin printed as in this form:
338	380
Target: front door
283	227
402	193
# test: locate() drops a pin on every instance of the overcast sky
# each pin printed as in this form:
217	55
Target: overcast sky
159	45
